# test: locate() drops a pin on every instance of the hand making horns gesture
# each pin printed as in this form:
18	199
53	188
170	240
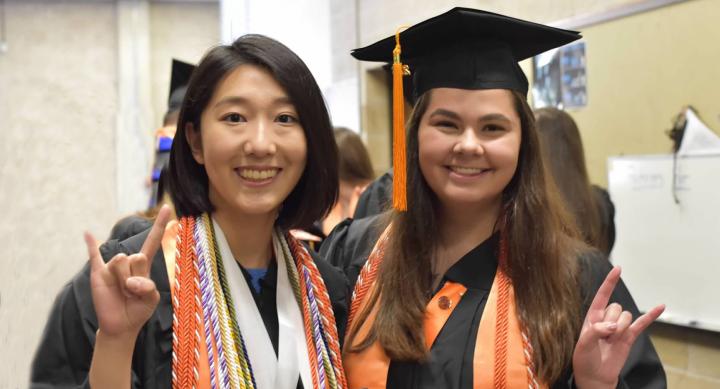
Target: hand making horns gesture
123	294
606	337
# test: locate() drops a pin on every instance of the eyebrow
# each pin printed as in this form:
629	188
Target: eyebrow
484	118
239	100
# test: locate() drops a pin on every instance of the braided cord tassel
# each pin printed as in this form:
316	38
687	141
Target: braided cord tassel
185	316
309	336
327	315
367	278
528	351
502	324
238	367
208	302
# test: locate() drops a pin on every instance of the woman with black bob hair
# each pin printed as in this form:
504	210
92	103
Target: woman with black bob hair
224	296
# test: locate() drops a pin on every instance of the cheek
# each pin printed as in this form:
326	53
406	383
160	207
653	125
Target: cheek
295	145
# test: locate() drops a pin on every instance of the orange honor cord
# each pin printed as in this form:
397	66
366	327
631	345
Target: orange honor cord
399	159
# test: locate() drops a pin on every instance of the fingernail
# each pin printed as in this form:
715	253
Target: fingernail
612	326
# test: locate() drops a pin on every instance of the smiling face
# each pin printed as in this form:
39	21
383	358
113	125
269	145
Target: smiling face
468	145
251	143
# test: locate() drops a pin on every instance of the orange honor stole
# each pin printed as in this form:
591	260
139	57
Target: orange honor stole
508	364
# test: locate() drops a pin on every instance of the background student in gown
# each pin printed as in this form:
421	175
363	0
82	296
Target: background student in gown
484	280
589	204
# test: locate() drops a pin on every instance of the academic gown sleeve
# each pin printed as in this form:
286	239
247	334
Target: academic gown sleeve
350	243
129	226
376	198
63	357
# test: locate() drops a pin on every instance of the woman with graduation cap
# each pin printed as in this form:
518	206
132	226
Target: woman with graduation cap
477	278
224	297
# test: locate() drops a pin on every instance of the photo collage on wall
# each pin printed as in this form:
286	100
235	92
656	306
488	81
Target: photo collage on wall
560	78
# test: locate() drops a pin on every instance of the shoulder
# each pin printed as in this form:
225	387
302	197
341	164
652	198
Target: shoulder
594	267
350	243
376	197
129	226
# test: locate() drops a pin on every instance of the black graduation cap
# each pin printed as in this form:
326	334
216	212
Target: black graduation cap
179	78
463	48
468	49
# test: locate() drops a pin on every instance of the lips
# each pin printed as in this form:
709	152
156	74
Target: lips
258	174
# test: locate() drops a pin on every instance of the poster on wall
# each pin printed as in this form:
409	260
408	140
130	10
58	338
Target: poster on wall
560	77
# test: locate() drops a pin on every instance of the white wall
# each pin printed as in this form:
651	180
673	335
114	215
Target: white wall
77	106
304	26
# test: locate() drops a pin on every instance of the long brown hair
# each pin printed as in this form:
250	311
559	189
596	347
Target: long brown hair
563	151
354	160
542	250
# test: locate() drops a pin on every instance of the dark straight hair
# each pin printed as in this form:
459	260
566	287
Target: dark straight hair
317	189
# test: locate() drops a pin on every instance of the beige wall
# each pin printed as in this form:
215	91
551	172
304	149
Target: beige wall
58	164
641	70
181	31
57	124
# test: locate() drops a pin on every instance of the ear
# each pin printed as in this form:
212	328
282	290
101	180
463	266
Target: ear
195	142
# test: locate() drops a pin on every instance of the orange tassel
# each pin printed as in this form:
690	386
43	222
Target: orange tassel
399	158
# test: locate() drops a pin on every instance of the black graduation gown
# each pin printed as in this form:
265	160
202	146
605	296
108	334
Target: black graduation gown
376	198
606	210
129	226
349	246
63	357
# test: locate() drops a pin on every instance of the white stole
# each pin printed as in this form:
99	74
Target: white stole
292	361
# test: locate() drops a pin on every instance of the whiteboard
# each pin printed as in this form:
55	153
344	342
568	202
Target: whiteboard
669	252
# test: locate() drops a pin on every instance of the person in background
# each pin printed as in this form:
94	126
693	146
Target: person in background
355	173
477	277
226	297
590	205
136	223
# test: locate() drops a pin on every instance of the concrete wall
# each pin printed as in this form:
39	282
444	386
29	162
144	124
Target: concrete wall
60	129
57	162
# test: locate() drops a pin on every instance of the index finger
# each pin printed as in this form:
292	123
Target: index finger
602	297
96	260
154	238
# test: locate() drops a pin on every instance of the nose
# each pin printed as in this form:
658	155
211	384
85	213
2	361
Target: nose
260	141
469	143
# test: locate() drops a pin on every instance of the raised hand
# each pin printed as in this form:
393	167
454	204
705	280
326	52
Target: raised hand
123	294
606	337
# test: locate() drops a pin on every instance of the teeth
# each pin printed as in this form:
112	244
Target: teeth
258	175
466	170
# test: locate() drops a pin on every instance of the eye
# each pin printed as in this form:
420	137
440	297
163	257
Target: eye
445	124
233	118
493	128
286	118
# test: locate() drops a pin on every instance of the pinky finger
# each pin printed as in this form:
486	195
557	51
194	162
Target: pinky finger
645	320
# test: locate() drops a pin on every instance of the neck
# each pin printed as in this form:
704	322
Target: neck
249	237
463	228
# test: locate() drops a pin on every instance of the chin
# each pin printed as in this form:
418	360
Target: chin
469	198
258	208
